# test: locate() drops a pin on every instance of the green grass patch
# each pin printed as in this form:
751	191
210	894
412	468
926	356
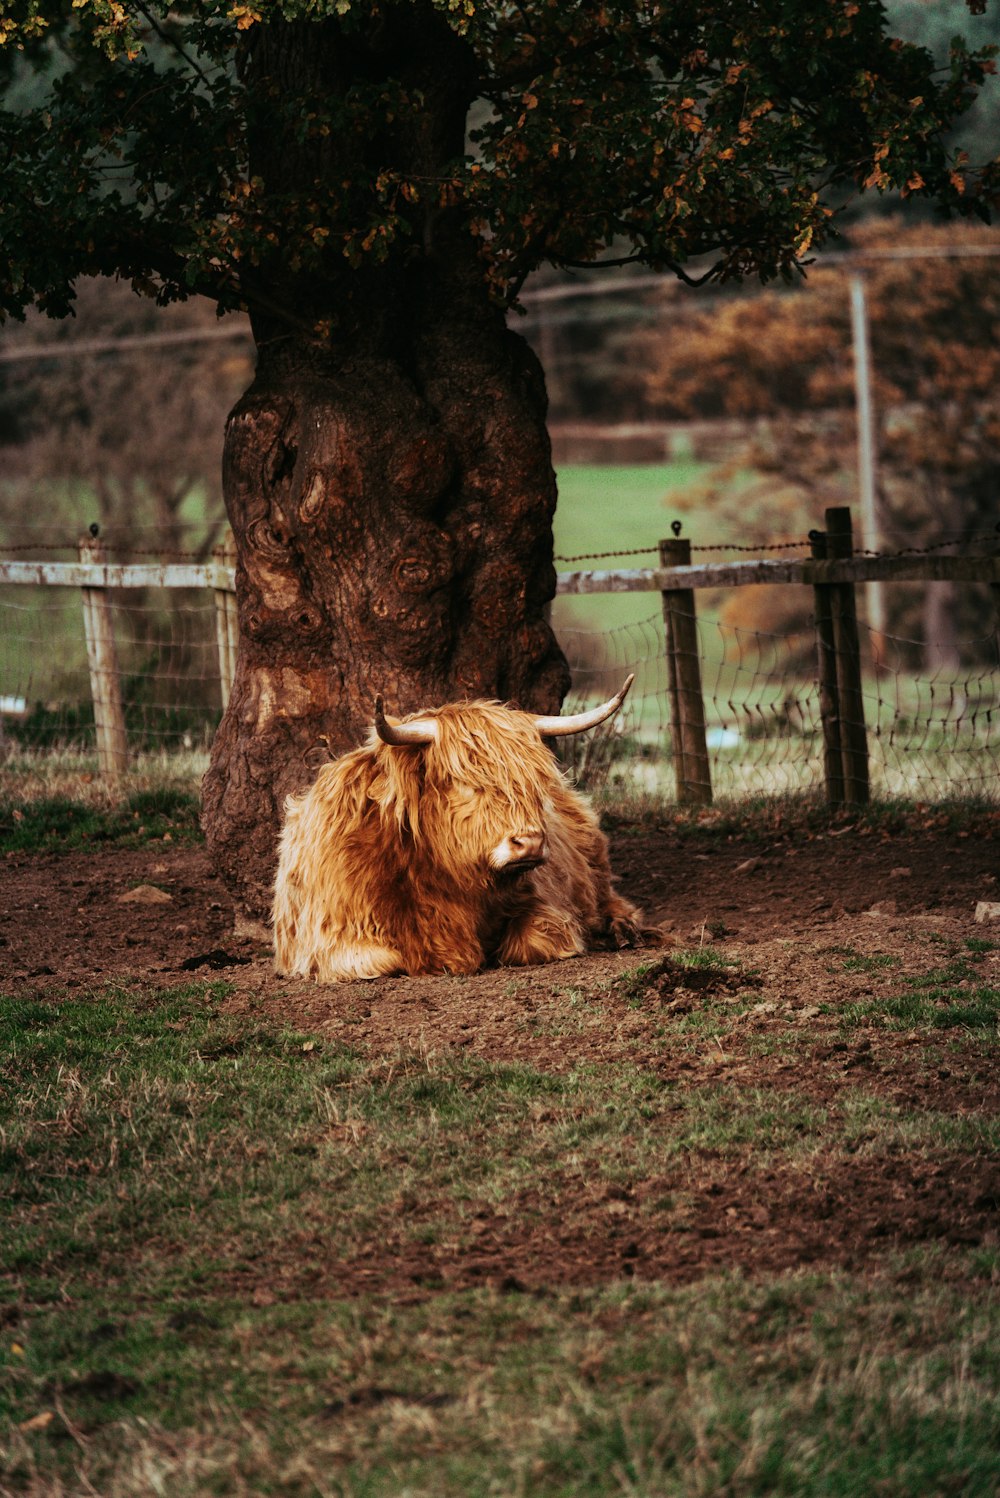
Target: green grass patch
185	1190
877	1125
951	997
724	1119
52	823
615	509
875	962
625	506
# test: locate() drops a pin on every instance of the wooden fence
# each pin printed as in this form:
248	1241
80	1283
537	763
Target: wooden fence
832	571
96	579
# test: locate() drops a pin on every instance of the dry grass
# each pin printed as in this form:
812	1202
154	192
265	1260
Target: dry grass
28	775
187	1190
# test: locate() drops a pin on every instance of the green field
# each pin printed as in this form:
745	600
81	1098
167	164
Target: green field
616	509
619	508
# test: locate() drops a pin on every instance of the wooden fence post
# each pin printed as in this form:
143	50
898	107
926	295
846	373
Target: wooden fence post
847	650
226	622
995	591
687	710
842	708
829	700
102	659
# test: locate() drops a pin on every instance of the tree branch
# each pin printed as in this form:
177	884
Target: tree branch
172	41
669	265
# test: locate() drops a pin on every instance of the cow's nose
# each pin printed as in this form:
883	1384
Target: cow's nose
527	847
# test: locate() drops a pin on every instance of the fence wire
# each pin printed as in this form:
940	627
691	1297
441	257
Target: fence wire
167	667
930	737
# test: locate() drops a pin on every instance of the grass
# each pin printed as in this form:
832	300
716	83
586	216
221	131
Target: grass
56	798
627	1391
29	775
188	1192
955	996
166	814
763	819
874	1125
874	962
604	507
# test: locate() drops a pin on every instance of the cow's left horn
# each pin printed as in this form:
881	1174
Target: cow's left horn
418	731
553	728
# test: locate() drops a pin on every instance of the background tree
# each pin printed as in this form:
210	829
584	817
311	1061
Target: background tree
387	474
786	360
118	424
593	347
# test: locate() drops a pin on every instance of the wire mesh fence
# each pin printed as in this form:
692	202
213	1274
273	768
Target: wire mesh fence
167	659
929	736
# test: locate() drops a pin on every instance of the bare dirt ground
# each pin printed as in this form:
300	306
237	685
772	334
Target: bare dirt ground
807	924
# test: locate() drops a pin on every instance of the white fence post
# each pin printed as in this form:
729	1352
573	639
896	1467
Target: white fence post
226	622
102	659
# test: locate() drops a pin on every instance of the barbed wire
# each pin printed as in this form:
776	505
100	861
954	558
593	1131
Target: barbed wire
757	548
600	556
160	553
958	539
932	723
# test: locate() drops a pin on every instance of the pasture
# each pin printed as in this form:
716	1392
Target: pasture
715	1219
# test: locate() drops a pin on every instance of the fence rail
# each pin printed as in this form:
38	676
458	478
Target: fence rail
832	572
856	569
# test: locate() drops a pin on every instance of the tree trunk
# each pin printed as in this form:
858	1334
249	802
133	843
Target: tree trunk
394	535
388	474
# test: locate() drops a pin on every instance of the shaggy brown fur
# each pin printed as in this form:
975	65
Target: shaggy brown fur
385	862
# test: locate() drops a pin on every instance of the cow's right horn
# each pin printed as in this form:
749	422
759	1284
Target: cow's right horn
418	731
553	728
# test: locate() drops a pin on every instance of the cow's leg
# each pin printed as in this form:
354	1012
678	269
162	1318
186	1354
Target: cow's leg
582	868
614	921
543	935
619	921
346	962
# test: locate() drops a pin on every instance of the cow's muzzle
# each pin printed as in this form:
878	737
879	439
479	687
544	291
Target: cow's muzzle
519	852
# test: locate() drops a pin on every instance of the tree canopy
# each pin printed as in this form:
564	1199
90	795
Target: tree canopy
163	142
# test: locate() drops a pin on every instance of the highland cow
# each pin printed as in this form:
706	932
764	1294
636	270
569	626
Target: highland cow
449	842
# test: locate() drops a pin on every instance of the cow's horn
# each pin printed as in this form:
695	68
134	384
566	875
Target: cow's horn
419	731
553	728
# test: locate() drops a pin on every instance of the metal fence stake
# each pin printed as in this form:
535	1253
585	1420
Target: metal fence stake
687	710
102	659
